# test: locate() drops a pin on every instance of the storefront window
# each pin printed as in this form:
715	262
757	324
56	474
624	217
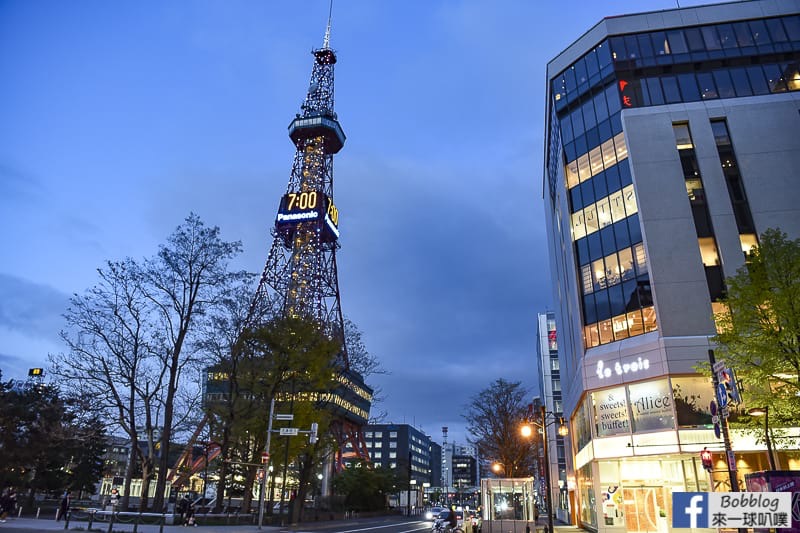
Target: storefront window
611	412
651	406
583	432
611	504
588	505
693	397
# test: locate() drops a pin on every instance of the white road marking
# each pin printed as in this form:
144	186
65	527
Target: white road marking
424	527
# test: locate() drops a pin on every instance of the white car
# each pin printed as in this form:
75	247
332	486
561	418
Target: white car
433	513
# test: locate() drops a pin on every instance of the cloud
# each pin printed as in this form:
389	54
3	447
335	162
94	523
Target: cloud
17	186
30	308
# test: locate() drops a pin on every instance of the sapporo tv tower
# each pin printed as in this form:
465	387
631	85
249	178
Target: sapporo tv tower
300	278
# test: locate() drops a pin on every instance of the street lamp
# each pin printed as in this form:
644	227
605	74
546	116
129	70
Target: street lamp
764	411
527	431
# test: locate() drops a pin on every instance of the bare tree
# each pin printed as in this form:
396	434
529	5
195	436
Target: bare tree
494	418
220	333
110	358
185	280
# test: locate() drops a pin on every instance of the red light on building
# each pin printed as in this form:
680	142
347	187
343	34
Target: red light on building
626	93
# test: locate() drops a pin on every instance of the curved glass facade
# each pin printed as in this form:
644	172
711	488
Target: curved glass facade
699	63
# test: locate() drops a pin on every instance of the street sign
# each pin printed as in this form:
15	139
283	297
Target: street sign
717	430
284	417
288	431
718	366
264	457
722	395
731	461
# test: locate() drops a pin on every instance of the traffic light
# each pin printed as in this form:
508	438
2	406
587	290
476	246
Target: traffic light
312	437
708	459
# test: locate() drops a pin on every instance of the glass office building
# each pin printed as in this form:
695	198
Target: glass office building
671	144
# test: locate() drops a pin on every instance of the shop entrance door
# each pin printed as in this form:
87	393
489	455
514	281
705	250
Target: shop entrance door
644	506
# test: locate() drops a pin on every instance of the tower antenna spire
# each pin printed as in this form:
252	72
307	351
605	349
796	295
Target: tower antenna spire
327	41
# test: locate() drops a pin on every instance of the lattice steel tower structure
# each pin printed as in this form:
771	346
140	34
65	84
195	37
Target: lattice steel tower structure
300	277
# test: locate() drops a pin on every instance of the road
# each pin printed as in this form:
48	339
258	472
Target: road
388	524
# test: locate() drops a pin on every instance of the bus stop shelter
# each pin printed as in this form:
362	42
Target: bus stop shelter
508	505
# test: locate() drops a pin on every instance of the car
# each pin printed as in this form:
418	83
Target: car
433	513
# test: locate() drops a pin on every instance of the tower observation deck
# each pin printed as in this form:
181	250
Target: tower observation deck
300	277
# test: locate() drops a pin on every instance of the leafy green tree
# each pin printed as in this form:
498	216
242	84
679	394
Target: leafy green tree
494	418
290	360
760	331
44	442
365	488
231	411
90	445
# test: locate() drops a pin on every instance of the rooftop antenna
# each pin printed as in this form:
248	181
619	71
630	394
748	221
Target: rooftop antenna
327	41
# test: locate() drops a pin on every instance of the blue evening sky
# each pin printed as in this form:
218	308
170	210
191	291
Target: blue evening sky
118	119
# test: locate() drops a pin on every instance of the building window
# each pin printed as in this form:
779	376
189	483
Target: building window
392	434
620	327
598	215
392	444
708	251
605	156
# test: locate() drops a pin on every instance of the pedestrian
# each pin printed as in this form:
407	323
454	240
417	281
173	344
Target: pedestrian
183	507
8	503
66	499
3	500
189	516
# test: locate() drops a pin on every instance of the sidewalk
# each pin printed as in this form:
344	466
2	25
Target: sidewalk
521	526
43	524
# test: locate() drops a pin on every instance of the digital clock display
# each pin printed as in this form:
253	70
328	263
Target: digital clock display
308	206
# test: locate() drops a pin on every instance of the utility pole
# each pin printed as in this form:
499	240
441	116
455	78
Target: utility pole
726	439
548	488
730	457
261	490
